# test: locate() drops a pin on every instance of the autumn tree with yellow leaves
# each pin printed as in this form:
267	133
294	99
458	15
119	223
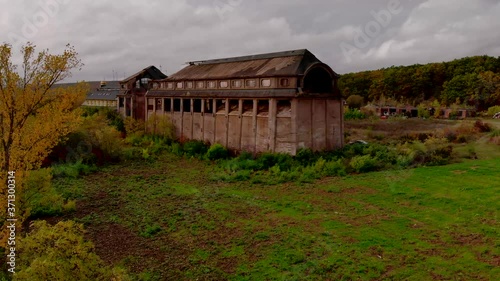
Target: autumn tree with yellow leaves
34	112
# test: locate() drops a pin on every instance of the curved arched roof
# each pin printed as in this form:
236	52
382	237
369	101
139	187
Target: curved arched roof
289	63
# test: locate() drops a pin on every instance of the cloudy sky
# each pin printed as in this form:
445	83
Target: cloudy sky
116	38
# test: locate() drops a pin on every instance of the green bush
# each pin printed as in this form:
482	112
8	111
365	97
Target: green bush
99	139
114	119
363	164
494	109
58	252
176	148
352	150
283	161
112	116
306	156
423	112
216	152
132	154
353	114
160	125
73	170
355	101
237	164
40	198
195	148
334	168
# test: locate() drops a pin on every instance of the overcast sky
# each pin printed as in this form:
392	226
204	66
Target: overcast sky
116	38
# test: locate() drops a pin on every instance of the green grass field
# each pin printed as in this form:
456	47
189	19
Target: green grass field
167	221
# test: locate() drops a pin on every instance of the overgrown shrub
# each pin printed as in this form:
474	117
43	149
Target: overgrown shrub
355	101
58	252
283	161
114	119
334	168
102	139
134	127
161	126
195	148
216	152
73	170
423	112
112	116
353	114
40	198
363	164
493	110
439	151
369	110
306	156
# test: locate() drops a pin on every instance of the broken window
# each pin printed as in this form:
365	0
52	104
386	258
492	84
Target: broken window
186	105
234	106
120	102
168	104
209	106
248	106
197	105
177	105
263	107
221	106
284	108
159	104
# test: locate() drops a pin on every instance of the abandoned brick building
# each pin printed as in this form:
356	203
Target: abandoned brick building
131	101
278	102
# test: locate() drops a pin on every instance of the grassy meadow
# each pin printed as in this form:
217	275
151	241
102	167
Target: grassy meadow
169	219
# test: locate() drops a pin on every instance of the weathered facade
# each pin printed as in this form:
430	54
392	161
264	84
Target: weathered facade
278	102
131	102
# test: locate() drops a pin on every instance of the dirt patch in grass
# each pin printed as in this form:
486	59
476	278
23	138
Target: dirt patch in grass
469	239
114	242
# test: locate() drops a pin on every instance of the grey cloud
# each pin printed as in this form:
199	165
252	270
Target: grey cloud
122	37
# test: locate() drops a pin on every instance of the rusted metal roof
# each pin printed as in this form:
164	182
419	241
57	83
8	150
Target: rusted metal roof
289	63
150	72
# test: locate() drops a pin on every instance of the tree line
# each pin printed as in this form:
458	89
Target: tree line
470	81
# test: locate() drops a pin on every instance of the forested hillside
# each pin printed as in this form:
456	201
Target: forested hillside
472	81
